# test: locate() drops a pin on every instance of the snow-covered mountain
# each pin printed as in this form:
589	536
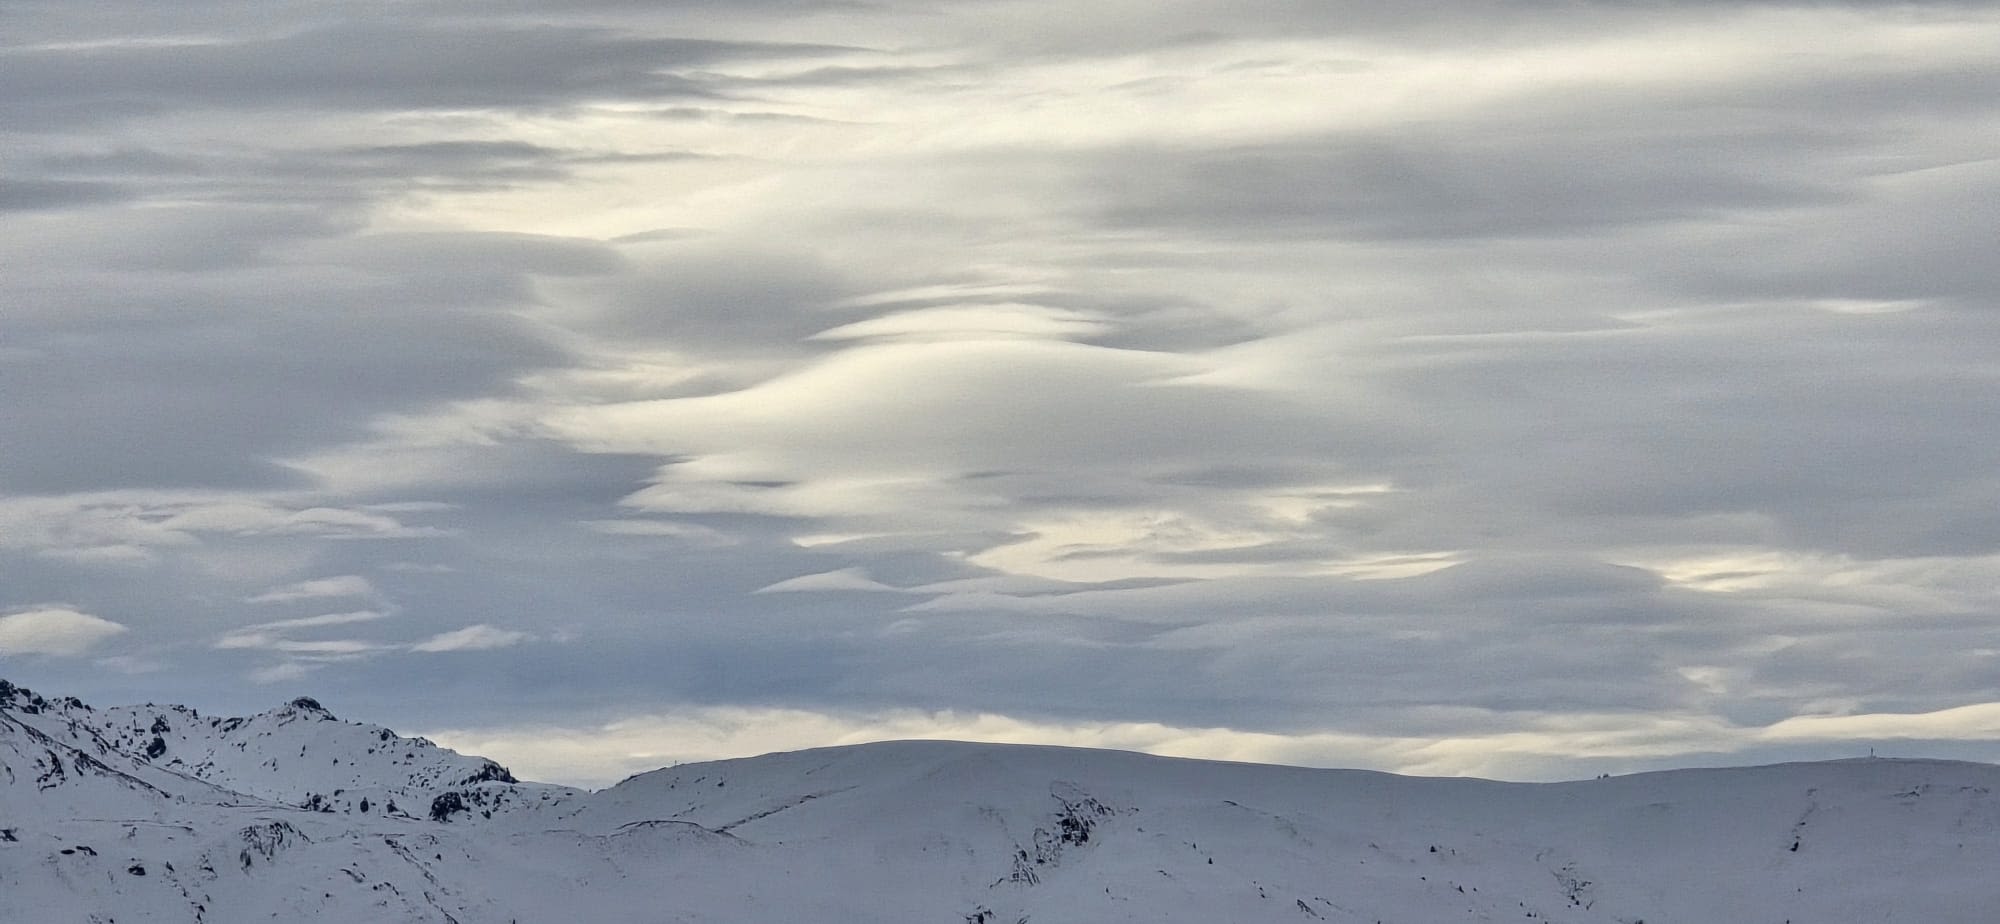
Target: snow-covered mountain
297	754
160	814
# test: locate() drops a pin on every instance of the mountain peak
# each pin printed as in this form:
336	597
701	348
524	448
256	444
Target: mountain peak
306	705
20	698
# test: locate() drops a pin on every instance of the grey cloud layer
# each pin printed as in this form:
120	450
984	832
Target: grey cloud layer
361	66
1302	368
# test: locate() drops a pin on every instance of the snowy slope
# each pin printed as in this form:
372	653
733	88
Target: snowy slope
298	754
1056	834
951	832
48	757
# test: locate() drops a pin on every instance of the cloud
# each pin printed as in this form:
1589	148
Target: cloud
669	529
115	527
23	195
844	579
346	585
867	432
1437	389
480	637
1978	720
130	664
1508	182
54	630
371	64
602	754
272	641
710	296
1550	747
282	673
958	323
271	635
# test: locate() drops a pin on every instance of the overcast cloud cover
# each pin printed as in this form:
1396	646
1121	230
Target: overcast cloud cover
1525	389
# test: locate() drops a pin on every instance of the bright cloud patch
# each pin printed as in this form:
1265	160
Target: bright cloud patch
53	631
472	638
1545	747
347	585
844	579
969	323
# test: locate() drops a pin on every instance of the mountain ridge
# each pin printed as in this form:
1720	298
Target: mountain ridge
939	831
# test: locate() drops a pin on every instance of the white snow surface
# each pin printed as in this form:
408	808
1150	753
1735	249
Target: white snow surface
260	819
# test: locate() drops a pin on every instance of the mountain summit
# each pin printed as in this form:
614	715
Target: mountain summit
152	813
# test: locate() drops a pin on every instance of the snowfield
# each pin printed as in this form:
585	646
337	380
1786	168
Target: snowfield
138	814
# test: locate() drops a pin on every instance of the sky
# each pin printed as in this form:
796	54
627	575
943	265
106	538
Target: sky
1517	388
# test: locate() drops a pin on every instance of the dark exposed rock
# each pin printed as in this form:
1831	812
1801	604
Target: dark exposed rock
266	840
21	699
489	773
52	772
446	805
306	705
1073	827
